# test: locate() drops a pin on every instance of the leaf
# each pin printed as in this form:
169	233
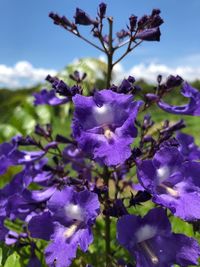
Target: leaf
1	256
13	261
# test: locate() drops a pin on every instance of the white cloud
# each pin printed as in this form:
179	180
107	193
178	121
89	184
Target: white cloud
150	71
22	74
25	74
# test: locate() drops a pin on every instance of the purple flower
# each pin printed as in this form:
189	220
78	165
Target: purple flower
102	10
10	156
165	178
132	22
152	34
105	123
84	19
67	224
192	108
187	147
151	242
48	97
28	203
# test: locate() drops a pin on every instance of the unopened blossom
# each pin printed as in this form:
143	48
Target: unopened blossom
150	241
152	34
103	125
166	178
82	18
67	223
192	108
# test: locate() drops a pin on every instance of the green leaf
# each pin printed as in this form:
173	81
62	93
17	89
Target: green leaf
1	256
180	226
13	261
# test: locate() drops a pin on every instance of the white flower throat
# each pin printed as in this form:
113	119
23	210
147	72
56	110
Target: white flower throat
163	173
104	116
73	212
145	233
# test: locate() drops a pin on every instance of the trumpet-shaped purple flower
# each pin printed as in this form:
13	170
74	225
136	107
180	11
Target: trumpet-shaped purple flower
67	223
192	108
166	178
104	124
46	97
151	242
10	156
152	34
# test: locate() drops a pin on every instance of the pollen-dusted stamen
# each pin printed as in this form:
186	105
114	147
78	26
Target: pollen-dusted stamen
154	259
108	133
170	191
71	230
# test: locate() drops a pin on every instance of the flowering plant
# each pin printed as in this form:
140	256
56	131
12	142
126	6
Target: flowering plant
69	191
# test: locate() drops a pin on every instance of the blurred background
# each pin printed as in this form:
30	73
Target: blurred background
32	47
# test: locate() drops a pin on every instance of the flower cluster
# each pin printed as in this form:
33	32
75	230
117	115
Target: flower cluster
65	188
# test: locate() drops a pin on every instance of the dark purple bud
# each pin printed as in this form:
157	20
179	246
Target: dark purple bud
117	210
142	22
155	11
125	87
122	34
132	22
159	79
175	127
156	21
55	17
63	21
152	97
77	76
61	87
102	10
140	197
136	153
62	139
173	81
39	130
26	141
66	22
131	79
152	34
51	79
83	19
113	88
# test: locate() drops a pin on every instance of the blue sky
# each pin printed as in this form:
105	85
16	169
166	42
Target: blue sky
27	34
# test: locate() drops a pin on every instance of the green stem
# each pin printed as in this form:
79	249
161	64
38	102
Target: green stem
110	53
107	219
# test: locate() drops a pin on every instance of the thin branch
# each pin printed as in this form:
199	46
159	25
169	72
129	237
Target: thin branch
127	52
77	33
